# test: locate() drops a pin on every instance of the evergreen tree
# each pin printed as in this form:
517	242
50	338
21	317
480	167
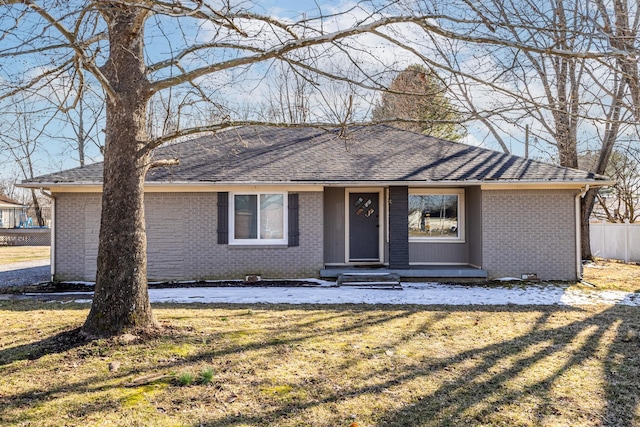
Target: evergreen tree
417	100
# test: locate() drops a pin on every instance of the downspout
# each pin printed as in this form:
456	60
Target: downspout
579	196
52	252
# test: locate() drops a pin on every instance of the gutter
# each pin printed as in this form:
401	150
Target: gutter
52	251
486	185
579	196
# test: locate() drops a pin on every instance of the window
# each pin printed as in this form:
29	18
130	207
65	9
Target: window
436	215
258	218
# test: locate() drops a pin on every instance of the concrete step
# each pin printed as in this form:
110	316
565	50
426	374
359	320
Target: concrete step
370	280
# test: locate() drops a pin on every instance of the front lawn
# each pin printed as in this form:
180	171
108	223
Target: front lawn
11	254
612	275
348	365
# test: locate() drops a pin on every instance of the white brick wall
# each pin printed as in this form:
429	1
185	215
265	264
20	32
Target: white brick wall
77	226
182	240
529	231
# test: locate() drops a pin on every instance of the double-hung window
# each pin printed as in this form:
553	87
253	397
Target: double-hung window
258	218
436	215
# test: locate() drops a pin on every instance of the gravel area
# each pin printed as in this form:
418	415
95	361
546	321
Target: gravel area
24	273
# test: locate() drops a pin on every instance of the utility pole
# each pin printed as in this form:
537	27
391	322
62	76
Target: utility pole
526	142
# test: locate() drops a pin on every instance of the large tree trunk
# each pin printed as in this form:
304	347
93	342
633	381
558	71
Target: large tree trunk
586	207
121	299
37	209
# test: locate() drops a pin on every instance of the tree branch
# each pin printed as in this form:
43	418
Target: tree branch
75	45
164	163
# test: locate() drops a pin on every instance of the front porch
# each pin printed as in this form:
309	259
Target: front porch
413	272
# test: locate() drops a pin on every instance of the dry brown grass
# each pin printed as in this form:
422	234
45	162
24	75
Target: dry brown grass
326	366
613	275
11	254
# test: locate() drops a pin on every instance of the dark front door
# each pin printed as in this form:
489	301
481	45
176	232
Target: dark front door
364	231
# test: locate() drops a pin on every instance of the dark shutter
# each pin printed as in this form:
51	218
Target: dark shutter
294	231
398	227
223	218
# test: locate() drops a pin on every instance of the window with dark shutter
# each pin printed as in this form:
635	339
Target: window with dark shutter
294	232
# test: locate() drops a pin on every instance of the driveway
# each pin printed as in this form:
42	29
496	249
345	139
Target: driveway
25	273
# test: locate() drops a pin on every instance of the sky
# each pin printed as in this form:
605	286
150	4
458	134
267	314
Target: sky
253	89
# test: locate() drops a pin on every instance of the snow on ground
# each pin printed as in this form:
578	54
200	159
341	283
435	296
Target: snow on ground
411	293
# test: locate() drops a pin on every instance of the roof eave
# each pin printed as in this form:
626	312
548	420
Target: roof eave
502	184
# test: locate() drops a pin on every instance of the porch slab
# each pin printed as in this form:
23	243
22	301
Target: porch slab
413	272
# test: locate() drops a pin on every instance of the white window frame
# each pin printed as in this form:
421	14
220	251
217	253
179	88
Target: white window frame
258	241
461	237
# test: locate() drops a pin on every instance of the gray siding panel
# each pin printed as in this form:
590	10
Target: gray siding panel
474	225
439	253
334	225
182	240
167	215
529	231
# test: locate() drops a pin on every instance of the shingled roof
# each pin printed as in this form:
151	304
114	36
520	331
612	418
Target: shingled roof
8	202
253	154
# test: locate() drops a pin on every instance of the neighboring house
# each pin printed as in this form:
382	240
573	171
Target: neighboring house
301	202
10	212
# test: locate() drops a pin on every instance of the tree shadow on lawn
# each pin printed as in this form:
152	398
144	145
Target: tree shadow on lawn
59	343
70	340
473	386
478	394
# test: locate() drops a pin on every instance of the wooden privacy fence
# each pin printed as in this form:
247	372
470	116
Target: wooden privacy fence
615	241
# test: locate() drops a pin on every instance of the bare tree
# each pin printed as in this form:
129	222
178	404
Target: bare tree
8	184
21	135
557	88
288	98
208	48
84	120
296	97
621	202
105	41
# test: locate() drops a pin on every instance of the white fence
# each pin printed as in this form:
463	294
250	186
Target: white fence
615	241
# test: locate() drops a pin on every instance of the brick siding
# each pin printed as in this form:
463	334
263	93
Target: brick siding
77	225
529	231
182	240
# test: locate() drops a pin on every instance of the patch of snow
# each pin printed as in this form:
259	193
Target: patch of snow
411	293
81	301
